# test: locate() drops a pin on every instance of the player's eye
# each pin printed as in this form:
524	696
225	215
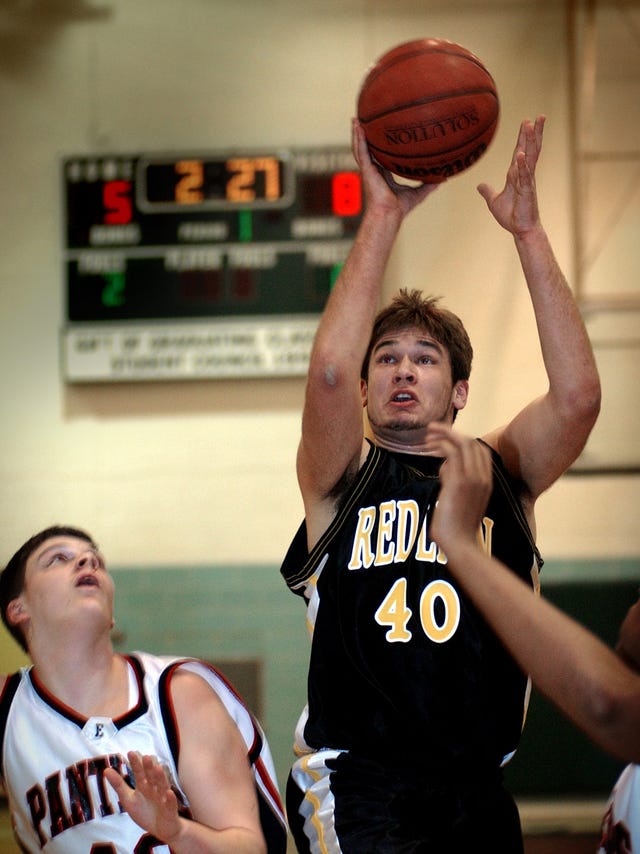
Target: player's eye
58	557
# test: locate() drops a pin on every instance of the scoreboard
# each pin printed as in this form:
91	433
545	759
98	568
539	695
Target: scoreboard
202	264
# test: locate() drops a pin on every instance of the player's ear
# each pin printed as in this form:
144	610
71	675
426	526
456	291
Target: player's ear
16	612
460	394
364	392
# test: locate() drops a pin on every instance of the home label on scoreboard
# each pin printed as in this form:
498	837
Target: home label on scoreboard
202	265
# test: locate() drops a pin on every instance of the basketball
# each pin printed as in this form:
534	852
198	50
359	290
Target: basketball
429	109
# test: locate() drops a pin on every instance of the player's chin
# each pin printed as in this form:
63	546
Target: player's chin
405	425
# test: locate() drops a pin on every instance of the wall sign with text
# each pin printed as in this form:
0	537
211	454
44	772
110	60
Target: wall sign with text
202	265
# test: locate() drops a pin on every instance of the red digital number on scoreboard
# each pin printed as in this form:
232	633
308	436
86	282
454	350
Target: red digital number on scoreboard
346	193
116	199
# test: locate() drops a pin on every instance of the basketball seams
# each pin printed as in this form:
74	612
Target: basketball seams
397	108
390	60
379	69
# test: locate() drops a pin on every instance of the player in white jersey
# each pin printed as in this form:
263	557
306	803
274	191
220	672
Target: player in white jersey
597	688
105	753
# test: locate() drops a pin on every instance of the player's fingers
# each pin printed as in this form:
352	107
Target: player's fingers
157	773
471	456
151	779
142	770
465	458
437	439
521	141
539	130
525	172
122	788
135	762
487	192
473	464
358	142
443	435
533	143
478	464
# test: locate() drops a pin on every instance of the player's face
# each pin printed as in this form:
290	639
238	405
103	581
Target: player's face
66	576
409	384
628	646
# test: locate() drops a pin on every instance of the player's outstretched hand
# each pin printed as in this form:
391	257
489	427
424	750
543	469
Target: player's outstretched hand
152	804
465	485
380	186
516	207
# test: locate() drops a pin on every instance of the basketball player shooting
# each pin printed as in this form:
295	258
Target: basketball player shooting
413	704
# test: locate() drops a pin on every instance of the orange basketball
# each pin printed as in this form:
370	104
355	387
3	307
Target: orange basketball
429	109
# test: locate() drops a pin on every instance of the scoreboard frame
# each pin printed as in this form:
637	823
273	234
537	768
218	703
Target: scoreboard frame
201	264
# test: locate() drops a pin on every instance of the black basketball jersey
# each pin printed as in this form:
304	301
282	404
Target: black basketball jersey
402	665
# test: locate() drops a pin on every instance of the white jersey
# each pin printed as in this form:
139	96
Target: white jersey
53	761
621	824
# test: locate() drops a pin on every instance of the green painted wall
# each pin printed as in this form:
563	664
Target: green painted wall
224	615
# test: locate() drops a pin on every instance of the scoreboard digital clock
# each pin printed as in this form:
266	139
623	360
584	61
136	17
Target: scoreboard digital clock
202	265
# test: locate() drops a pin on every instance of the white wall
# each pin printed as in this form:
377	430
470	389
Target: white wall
203	472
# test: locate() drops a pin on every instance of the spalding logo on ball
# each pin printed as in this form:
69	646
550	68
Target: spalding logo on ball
429	109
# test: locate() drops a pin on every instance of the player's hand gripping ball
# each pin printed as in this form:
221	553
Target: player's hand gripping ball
429	109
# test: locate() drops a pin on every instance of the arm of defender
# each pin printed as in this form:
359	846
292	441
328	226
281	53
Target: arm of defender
588	682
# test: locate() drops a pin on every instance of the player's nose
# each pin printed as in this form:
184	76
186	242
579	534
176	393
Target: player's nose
404	369
88	560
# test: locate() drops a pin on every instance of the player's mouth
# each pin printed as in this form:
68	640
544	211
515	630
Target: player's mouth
87	580
403	397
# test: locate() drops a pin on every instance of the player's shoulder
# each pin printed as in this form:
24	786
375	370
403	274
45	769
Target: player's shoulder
492	439
193	680
504	458
196	702
187	680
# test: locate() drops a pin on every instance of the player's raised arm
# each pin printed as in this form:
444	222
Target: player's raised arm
546	437
332	426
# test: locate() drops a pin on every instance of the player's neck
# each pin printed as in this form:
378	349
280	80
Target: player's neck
408	442
90	679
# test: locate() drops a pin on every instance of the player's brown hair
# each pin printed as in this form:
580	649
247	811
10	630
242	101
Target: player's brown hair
413	309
